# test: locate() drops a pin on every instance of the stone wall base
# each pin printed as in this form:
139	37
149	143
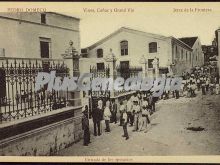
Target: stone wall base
43	141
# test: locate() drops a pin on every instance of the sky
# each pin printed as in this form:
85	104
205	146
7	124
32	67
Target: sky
154	17
157	18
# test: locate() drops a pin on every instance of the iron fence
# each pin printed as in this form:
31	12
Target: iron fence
96	95
126	72
18	98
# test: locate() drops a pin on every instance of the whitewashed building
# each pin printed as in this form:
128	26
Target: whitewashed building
32	43
195	44
37	35
131	46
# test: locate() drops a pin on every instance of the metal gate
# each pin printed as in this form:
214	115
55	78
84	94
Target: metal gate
97	95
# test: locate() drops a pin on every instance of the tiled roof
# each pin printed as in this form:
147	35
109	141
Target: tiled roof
189	40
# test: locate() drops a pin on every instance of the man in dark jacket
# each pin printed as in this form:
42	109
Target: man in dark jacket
85	127
152	100
114	111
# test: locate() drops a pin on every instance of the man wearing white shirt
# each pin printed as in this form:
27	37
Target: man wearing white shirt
145	115
136	111
107	114
129	111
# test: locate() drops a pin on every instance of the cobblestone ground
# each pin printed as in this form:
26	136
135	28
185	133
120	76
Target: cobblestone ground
168	134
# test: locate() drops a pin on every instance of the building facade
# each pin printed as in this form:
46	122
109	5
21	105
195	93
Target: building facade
210	52
32	43
37	35
131	46
195	44
38	120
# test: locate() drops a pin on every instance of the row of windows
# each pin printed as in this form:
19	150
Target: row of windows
124	49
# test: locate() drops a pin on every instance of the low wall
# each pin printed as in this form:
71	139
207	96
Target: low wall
42	135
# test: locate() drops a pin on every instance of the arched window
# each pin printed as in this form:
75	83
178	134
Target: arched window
124	48
99	53
152	47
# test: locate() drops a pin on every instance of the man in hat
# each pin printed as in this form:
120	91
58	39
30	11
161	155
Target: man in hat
121	110
203	87
217	89
151	103
85	127
129	111
107	115
198	83
207	83
136	111
135	98
114	111
97	115
144	115
124	124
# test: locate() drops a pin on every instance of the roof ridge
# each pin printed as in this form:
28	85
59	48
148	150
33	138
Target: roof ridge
190	37
128	28
61	14
119	30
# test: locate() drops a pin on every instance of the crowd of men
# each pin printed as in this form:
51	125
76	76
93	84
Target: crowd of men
135	110
200	80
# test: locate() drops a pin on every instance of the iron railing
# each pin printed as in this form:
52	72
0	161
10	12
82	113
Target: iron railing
131	71
127	72
18	98
120	71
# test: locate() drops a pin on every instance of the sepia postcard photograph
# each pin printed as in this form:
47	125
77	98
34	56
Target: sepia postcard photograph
110	81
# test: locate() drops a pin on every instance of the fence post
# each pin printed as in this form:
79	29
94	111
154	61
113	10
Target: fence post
71	58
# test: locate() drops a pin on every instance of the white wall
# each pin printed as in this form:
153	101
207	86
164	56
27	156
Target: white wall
182	64
197	51
137	46
21	39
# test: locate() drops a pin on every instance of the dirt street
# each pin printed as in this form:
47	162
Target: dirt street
168	134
